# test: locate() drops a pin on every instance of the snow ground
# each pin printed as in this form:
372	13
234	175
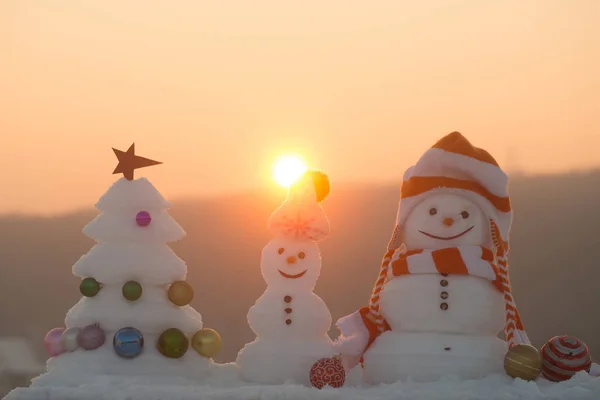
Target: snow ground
223	384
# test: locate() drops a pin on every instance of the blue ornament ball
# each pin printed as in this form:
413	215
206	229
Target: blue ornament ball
128	342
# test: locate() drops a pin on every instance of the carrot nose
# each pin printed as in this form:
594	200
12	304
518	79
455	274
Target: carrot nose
448	221
291	260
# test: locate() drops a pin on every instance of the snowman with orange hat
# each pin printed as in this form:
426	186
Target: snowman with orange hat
443	292
290	321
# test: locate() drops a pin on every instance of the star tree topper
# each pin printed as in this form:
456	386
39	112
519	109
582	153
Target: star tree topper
129	162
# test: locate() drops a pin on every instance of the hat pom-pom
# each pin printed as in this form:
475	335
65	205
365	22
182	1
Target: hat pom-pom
321	184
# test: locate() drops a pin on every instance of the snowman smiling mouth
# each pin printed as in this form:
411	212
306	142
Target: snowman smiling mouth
445	238
292	276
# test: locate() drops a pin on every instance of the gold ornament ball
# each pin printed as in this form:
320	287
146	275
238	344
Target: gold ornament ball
207	342
180	293
523	361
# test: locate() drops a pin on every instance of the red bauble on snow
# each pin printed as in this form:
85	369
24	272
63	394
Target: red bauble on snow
563	357
328	372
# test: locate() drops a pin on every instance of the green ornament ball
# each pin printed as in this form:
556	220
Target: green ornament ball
132	290
89	287
172	343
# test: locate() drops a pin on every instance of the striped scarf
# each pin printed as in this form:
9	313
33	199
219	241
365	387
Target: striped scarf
464	260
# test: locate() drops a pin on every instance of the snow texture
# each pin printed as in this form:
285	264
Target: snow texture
80	367
116	263
425	342
119	207
222	383
270	361
120	226
123	194
447	206
283	255
422	356
353	345
309	316
151	314
127	252
289	320
412	303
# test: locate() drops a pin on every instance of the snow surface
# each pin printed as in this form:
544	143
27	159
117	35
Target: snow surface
422	356
271	361
146	263
81	366
412	303
289	320
310	317
273	263
116	226
127	252
151	314
222	383
124	193
448	205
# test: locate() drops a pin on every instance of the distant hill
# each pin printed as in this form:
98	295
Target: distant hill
555	268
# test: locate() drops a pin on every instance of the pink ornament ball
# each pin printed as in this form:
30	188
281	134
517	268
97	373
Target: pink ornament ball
53	342
563	357
91	337
143	218
327	372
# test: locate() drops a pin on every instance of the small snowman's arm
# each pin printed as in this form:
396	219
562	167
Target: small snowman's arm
320	314
357	332
253	318
259	319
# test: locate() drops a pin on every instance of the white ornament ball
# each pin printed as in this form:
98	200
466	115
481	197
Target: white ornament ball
69	339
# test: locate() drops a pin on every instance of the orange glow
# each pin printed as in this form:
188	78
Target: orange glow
217	92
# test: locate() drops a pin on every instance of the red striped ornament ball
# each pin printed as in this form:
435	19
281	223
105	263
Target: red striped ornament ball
563	357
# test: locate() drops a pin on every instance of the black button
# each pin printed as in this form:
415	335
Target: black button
444	306
447	348
287	299
444	295
444	274
288	310
444	282
288	321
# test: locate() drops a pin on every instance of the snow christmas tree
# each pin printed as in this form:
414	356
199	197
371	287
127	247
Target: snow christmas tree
134	318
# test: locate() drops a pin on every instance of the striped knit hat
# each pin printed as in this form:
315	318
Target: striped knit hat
454	165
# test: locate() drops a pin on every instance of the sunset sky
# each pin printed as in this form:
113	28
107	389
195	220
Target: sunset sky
217	90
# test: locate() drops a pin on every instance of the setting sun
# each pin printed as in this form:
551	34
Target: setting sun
288	169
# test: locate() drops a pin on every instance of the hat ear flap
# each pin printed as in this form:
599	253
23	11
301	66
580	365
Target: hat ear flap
397	239
500	246
374	308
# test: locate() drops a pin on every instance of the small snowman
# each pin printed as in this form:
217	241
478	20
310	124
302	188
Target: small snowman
290	321
443	292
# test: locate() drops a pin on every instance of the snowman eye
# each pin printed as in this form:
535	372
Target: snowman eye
464	214
301	255
281	250
432	211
